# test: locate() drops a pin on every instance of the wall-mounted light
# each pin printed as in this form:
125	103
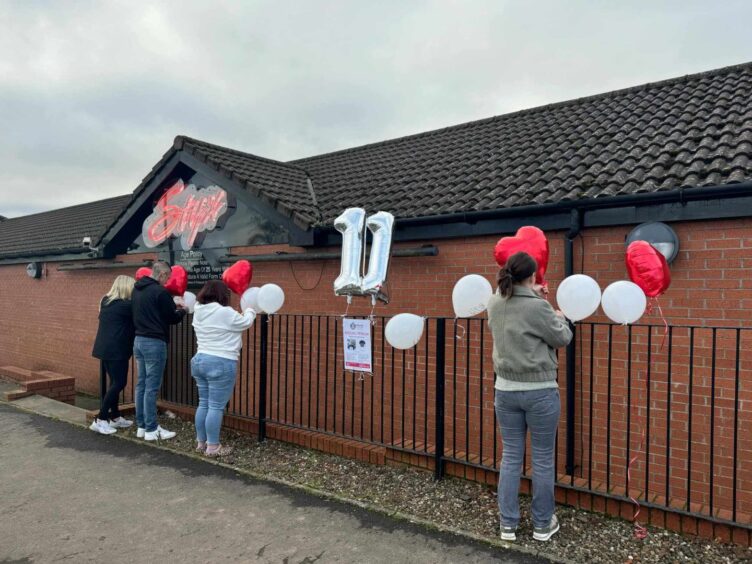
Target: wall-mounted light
658	234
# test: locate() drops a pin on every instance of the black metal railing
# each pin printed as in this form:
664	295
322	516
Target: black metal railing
656	411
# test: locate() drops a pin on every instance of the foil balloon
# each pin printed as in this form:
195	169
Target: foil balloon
528	239
238	276
143	271
648	268
381	225
350	224
177	283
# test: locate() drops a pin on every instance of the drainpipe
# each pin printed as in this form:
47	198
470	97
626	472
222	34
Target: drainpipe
575	227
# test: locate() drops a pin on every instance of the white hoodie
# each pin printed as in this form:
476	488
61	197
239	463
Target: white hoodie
219	329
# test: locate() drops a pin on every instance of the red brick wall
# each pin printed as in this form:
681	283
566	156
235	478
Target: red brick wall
50	324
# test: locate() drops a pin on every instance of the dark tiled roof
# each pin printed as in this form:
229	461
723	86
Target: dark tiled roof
283	185
685	132
53	231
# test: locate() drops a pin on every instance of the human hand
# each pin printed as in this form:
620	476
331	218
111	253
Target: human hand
559	313
541	290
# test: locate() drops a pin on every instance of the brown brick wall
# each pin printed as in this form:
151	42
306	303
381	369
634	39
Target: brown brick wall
50	324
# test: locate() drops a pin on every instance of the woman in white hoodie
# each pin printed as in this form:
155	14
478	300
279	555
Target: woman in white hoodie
218	329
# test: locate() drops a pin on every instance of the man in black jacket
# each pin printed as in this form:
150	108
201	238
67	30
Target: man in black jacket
153	312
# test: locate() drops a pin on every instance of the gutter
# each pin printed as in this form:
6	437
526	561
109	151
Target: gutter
681	195
34	253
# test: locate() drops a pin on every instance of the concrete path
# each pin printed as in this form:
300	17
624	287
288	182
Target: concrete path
70	495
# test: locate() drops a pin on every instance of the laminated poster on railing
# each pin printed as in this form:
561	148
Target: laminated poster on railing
356	338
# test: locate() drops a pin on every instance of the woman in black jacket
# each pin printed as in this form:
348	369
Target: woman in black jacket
114	347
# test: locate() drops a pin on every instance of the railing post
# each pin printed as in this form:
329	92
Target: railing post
102	384
440	366
264	319
571	398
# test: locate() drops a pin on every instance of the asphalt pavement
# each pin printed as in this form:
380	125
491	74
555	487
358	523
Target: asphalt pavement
70	495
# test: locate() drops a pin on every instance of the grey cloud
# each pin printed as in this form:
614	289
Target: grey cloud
92	94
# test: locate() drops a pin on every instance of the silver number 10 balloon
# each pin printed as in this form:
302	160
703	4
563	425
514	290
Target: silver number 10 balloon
351	224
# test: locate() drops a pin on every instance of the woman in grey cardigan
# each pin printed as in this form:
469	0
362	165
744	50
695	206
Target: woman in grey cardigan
526	331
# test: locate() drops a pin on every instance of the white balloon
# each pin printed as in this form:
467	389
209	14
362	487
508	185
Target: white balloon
249	299
470	295
578	296
189	300
624	302
403	331
271	298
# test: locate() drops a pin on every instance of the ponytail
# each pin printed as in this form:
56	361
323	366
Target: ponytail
520	266
504	280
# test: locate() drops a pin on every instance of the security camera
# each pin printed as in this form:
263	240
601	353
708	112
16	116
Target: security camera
86	242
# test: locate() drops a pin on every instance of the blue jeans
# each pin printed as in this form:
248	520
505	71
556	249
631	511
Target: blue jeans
151	357
537	410
215	379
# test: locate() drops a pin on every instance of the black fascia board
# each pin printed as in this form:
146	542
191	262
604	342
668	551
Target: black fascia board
689	204
48	255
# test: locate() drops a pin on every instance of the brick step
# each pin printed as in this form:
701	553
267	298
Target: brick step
16	374
43	382
15	394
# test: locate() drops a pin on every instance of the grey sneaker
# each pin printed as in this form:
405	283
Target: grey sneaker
545	533
508	533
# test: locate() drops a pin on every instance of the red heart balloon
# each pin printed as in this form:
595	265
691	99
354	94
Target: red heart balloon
647	268
528	239
238	276
177	283
143	271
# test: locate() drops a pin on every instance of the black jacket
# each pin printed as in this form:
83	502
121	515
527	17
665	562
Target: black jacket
154	310
115	334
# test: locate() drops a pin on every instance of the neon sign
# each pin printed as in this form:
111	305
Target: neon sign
184	211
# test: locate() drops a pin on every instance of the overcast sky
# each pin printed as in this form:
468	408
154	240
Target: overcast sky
93	93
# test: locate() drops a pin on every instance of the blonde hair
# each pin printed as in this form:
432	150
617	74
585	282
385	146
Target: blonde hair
122	289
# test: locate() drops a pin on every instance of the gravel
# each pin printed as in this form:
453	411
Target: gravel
457	503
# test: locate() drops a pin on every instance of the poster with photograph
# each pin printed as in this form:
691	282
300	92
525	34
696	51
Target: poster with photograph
356	339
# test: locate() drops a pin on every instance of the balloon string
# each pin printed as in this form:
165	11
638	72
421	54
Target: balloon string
654	302
665	324
349	301
373	307
456	325
640	532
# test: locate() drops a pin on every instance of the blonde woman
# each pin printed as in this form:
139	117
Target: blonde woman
114	347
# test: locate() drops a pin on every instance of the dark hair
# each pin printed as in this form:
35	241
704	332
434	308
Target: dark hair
519	267
214	291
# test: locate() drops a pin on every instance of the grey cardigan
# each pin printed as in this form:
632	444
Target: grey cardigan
526	330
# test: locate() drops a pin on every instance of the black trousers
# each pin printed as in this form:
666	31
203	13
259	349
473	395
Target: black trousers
118	371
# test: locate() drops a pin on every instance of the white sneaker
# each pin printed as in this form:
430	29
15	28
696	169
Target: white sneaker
101	426
545	533
120	423
159	434
140	432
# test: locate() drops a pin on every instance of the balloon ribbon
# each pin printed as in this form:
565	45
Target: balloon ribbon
640	532
654	302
